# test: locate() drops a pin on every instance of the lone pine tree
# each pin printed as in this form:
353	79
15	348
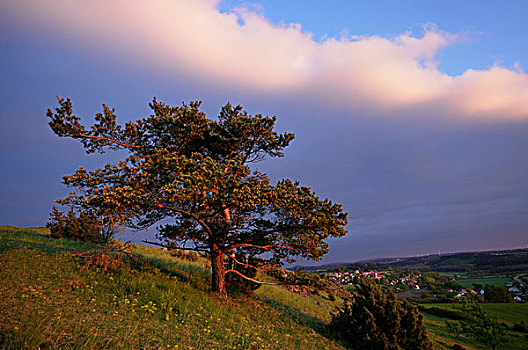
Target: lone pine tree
194	172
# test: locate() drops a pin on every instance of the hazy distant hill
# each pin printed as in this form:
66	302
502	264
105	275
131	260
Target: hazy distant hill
503	261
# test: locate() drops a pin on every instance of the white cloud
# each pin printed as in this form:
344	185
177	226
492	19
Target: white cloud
242	48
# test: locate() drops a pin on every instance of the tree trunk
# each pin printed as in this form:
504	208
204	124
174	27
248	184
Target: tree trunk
218	271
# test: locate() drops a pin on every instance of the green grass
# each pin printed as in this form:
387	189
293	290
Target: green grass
48	299
509	314
313	311
458	274
494	281
441	338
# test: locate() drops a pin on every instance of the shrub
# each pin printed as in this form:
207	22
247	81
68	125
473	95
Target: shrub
376	320
237	282
85	227
185	255
302	278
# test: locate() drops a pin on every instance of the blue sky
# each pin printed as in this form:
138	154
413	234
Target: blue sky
412	115
495	29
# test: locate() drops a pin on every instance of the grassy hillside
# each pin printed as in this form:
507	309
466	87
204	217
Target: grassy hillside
49	300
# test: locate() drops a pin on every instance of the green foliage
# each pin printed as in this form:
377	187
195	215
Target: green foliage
479	325
84	227
196	172
376	320
497	294
435	281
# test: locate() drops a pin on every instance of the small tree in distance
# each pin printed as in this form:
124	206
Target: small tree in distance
497	294
195	171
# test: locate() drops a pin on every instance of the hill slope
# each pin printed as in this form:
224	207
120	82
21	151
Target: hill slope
50	299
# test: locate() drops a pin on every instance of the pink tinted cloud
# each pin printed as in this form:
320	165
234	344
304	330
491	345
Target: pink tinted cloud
243	48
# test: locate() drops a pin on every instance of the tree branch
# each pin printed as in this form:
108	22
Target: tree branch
106	139
173	247
251	279
188	214
271	247
245	264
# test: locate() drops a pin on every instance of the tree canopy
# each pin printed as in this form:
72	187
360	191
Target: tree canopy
497	294
195	171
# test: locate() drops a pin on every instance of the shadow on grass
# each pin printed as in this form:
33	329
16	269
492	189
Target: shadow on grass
19	238
15	238
298	316
196	276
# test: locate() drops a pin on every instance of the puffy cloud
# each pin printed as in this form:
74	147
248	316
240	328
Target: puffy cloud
241	48
495	92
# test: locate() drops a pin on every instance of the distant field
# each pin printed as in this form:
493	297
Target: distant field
452	273
508	313
494	281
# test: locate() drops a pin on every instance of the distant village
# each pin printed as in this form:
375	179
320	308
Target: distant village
402	282
347	278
